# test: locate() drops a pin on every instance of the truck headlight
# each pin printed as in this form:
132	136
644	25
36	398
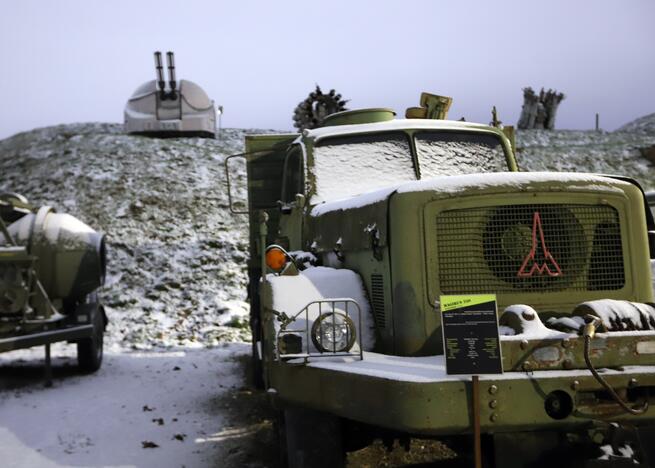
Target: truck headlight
333	333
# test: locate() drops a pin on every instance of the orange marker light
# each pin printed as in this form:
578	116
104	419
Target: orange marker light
276	258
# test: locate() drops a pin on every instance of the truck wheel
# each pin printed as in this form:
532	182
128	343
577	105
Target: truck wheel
313	439
89	350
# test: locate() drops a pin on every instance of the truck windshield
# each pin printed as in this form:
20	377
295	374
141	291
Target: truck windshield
349	165
450	153
354	164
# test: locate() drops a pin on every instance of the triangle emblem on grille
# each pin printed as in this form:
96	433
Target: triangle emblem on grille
548	265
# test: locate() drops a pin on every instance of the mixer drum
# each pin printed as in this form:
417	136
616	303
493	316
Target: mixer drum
71	255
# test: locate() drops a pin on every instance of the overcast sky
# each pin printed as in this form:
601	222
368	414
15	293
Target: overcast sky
76	61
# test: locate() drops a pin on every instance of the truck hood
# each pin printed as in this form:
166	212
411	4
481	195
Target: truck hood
353	221
448	186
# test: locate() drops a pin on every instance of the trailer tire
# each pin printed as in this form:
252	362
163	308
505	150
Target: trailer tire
90	350
313	439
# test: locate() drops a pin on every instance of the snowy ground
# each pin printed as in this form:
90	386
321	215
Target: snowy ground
188	408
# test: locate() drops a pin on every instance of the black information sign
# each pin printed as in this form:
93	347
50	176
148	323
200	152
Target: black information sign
470	334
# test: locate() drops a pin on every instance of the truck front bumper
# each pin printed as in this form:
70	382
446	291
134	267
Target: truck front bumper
415	395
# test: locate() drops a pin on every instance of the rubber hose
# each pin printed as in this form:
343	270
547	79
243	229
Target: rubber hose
617	398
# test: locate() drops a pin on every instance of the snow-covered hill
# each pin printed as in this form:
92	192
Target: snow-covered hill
588	151
645	124
176	254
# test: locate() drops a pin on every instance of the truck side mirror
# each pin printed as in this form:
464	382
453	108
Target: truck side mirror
234	203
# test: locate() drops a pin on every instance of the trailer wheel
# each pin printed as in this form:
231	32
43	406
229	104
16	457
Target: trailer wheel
90	350
313	439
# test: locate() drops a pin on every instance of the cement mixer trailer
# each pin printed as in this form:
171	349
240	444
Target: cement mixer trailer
51	266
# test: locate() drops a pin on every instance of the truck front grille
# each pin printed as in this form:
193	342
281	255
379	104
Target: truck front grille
529	248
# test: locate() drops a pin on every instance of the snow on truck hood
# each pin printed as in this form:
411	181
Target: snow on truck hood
452	185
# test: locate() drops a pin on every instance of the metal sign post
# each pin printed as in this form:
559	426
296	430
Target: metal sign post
48	366
476	421
471	346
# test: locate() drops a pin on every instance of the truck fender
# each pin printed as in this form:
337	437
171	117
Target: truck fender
290	295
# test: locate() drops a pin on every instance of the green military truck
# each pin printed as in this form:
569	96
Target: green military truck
51	265
359	227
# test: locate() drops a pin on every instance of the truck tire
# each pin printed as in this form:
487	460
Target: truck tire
313	439
90	350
